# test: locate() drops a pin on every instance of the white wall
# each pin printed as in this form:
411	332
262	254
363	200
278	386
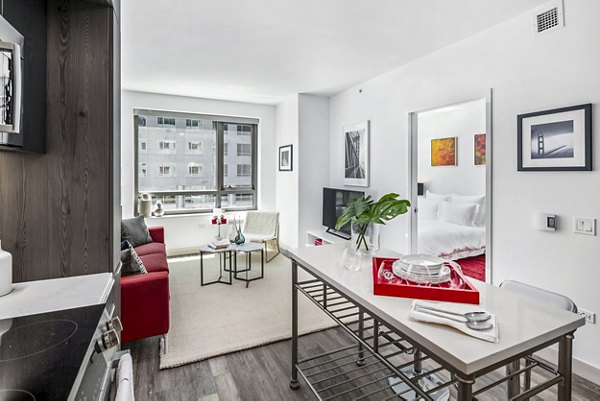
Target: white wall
286	189
313	161
461	121
191	231
527	74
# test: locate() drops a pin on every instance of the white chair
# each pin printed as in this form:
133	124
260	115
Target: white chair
544	296
263	227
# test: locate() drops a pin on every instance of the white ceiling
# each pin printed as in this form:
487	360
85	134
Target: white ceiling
261	50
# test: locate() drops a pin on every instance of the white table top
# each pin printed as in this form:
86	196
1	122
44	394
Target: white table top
245	247
523	324
32	297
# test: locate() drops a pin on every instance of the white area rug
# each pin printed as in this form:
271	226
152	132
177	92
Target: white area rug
218	319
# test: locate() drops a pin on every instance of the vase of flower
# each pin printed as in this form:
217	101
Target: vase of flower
365	217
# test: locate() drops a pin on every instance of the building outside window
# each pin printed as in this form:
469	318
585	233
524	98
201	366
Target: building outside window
244	170
181	160
167	146
194	147
194	170
244	149
167	170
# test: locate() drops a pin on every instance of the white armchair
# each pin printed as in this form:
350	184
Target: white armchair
263	227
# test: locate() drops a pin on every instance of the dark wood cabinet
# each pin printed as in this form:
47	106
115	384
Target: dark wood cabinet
60	211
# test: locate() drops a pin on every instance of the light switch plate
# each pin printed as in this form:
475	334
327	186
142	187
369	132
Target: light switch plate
584	225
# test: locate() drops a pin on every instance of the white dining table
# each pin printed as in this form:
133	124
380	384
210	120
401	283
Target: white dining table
524	325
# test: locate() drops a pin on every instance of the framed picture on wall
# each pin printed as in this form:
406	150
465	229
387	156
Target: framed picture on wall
356	156
555	140
479	150
443	151
286	154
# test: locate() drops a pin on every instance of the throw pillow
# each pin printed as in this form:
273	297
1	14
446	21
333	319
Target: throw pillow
438	197
428	208
458	213
135	231
132	264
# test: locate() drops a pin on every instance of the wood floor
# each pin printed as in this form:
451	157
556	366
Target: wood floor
262	374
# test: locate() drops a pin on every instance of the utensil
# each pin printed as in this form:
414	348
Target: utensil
475	316
473	325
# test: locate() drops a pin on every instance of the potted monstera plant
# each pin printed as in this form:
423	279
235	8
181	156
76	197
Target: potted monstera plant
365	216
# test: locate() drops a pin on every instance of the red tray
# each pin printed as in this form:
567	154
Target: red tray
458	289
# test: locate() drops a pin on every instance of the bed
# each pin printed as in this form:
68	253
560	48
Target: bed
448	240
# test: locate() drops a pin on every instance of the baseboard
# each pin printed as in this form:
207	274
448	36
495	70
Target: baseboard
194	250
580	368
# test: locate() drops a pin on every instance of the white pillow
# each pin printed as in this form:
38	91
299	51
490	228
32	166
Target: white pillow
438	197
463	214
428	208
478	199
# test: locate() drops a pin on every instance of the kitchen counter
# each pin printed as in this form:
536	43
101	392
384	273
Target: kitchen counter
41	296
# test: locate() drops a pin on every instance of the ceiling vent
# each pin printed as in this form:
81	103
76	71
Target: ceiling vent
548	19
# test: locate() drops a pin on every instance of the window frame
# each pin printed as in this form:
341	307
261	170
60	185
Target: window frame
220	123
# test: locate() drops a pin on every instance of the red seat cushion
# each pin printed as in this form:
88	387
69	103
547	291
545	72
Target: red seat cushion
151	247
155	262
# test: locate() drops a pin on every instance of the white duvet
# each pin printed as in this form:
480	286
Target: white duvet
450	241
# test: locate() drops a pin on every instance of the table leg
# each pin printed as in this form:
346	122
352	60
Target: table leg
294	380
565	353
201	269
248	266
465	388
513	385
361	329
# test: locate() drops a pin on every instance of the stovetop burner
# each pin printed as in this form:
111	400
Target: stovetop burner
16	395
41	355
34	338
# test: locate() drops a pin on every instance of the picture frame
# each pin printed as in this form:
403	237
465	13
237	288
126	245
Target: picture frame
555	140
286	158
479	149
444	151
356	154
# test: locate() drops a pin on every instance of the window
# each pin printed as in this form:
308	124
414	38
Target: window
181	160
243	170
192	124
194	170
167	146
244	149
194	147
167	170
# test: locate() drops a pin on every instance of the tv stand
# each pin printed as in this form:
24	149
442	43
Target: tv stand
338	234
322	237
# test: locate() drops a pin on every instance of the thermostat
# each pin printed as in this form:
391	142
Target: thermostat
546	222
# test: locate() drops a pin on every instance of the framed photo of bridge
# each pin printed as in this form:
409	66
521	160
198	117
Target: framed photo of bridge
555	140
356	156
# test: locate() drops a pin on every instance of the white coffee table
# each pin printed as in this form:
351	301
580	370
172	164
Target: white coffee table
228	256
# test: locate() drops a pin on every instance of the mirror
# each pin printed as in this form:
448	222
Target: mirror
451	184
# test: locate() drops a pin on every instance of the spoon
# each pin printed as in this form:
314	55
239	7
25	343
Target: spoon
471	324
477	316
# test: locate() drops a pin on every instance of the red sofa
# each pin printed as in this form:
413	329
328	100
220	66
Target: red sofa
145	297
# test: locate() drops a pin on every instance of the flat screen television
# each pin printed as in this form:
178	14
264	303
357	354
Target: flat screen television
335	201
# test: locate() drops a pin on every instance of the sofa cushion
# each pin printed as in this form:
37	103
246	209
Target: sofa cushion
152	247
155	262
135	231
132	264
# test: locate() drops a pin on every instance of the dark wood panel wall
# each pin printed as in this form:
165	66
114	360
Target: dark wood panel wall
59	211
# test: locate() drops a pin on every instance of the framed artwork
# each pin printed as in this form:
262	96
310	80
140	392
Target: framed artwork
286	154
479	151
555	140
443	152
356	160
